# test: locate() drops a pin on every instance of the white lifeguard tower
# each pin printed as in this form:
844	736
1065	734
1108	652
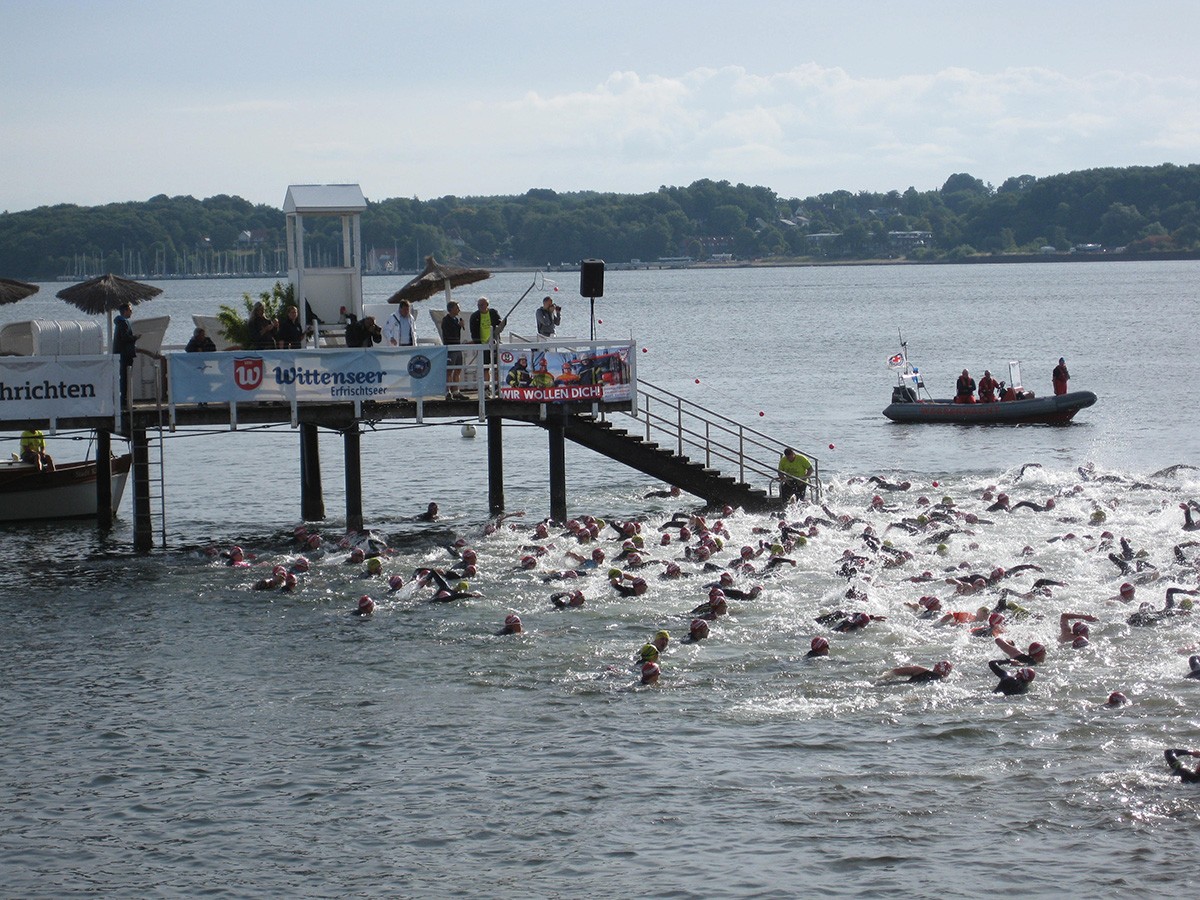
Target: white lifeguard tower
328	280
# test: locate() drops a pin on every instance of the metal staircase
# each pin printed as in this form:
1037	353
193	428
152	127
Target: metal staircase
684	443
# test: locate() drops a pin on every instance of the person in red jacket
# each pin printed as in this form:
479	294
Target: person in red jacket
987	388
964	390
1061	376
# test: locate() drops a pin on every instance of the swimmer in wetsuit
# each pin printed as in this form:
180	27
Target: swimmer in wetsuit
1147	615
1188	524
565	599
697	631
1186	775
1015	683
922	675
1033	656
819	646
1194	664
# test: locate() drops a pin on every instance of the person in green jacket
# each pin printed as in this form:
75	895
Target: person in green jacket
794	469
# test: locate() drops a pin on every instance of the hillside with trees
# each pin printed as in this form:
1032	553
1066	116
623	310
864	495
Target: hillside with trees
1143	211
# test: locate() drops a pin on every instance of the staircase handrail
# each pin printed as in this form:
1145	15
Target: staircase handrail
733	441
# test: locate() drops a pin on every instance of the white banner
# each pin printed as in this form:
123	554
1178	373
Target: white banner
307	376
57	387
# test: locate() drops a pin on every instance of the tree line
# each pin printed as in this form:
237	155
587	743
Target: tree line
1135	210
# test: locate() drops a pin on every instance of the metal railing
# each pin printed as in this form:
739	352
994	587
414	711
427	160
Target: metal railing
691	429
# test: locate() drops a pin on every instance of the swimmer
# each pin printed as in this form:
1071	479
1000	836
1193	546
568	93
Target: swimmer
1188	523
1194	664
635	588
1036	507
672	492
660	640
716	606
1016	683
1124	595
430	514
1035	655
512	625
1116	699
697	631
1147	615
289	583
565	599
1071	627
921	675
994	626
1186	775
366	606
274	580
650	673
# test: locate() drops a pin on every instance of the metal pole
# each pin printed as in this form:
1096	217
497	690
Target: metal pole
104	510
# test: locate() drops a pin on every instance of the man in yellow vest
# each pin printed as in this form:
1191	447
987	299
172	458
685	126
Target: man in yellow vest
794	469
33	450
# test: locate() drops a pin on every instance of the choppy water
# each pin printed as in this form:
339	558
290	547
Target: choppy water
168	731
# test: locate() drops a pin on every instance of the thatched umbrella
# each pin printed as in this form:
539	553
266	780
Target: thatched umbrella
11	291
106	294
437	277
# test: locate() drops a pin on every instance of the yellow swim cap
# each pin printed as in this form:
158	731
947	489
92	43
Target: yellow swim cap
649	653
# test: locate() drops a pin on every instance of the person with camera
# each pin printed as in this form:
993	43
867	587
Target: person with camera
547	317
363	333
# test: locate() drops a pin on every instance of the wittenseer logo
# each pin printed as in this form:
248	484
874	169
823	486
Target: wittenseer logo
248	372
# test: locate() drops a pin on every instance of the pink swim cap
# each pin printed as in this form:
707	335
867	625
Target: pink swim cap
942	669
1026	674
819	643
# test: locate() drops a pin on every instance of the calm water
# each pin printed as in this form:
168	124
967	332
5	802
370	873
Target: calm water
168	731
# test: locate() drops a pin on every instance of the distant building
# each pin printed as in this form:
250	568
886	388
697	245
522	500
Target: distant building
904	241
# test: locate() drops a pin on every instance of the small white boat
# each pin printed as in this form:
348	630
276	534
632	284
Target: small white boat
67	492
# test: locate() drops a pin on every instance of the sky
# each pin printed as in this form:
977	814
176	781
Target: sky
117	100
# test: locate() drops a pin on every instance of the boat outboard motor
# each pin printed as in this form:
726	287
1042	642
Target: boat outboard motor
902	393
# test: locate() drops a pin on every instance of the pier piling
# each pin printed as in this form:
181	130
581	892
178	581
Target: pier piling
104	504
558	471
143	528
352	444
312	502
495	442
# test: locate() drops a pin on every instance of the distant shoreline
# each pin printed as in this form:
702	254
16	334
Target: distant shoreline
797	263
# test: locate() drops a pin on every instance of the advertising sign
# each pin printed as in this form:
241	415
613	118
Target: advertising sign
557	375
57	387
325	376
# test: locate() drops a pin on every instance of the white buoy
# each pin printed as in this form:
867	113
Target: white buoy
468	430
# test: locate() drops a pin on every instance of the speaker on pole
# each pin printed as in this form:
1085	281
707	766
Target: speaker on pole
591	278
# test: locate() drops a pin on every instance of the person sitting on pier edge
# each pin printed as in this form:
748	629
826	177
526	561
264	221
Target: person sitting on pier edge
261	329
964	390
1060	376
33	450
987	388
794	469
547	317
452	328
200	343
363	333
400	330
290	334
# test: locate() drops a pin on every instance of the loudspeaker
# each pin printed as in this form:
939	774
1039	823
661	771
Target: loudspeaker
591	278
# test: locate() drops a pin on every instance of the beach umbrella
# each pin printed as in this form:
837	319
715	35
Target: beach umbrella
11	291
437	277
107	294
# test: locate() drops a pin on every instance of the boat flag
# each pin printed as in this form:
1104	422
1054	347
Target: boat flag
896	362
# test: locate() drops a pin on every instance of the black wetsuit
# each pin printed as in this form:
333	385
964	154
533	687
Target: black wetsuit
1186	775
1009	684
923	677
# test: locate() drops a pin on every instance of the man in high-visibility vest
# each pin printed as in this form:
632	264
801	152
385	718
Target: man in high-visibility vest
794	469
